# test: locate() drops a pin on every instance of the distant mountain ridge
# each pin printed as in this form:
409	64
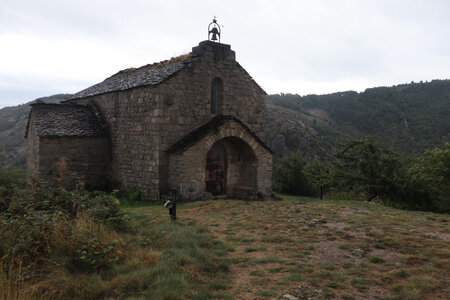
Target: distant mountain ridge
409	117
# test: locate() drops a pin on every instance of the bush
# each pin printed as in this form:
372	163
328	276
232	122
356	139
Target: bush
41	223
10	180
91	254
134	195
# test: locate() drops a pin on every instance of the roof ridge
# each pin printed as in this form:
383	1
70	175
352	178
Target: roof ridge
147	75
56	104
179	58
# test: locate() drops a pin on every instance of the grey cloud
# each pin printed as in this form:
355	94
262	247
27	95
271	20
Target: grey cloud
377	41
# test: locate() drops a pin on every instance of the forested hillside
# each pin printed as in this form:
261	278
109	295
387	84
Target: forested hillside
408	117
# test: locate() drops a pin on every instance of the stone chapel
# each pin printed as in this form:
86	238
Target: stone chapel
194	123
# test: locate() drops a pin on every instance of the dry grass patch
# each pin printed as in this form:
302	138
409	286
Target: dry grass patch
342	249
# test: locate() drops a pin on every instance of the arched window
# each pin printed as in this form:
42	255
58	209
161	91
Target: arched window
216	96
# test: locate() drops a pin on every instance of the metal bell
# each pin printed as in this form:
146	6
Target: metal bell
214	32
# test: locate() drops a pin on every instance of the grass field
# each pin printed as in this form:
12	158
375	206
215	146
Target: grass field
312	249
298	248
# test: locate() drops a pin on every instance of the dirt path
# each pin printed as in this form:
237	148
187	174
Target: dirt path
325	250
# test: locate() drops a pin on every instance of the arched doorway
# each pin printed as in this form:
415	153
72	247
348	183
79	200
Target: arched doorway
215	170
231	166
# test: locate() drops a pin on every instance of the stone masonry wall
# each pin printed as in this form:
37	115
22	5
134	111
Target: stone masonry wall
85	156
187	170
32	148
131	117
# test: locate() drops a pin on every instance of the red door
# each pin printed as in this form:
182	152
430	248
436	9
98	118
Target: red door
215	170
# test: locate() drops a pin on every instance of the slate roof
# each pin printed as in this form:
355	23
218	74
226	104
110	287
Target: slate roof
196	135
152	74
62	120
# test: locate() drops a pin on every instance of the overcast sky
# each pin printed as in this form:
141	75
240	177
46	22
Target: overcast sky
303	47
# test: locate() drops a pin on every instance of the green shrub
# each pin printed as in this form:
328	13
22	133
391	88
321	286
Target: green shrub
376	259
10	180
134	195
39	221
359	282
94	255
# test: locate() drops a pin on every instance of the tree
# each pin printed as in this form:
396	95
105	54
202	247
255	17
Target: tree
289	176
368	165
431	180
419	183
321	175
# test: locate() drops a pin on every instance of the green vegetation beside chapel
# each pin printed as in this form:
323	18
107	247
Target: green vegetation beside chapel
61	244
365	169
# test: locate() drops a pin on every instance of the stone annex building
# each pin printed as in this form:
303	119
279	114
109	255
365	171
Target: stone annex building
194	123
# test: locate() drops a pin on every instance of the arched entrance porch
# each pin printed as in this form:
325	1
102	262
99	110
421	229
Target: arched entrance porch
231	168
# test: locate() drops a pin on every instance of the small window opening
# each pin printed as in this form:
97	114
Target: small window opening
216	95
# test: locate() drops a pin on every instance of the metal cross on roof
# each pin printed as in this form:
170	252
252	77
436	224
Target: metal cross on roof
214	31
